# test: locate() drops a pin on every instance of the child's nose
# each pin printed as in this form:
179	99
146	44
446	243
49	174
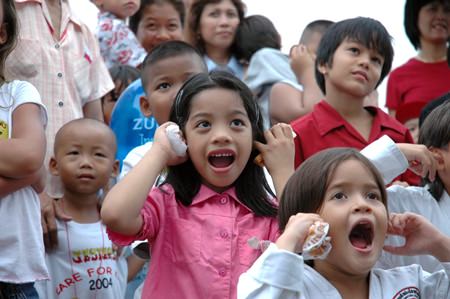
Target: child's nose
361	205
221	135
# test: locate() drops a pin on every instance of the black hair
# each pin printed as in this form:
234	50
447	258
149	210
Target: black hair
305	190
369	32
315	26
136	18
431	105
254	33
122	75
169	49
195	15
11	30
411	14
435	132
251	186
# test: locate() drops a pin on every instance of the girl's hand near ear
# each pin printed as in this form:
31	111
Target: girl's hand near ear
421	237
165	147
296	231
421	160
278	154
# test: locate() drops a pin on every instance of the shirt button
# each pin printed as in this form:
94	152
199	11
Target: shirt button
60	103
224	200
59	75
222	272
223	234
56	46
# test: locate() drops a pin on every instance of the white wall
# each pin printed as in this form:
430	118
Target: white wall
291	16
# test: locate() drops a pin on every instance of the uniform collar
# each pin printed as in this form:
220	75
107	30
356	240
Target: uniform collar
206	193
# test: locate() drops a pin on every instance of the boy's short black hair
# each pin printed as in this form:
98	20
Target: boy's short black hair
369	32
136	18
254	33
411	14
166	50
315	26
430	106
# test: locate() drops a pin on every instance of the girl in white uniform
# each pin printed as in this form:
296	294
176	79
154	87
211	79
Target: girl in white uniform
342	188
431	201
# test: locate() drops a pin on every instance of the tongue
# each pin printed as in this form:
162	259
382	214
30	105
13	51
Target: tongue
358	242
220	162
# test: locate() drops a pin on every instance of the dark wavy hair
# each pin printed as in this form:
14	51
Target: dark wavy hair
369	32
411	13
195	14
12	31
251	186
305	190
435	132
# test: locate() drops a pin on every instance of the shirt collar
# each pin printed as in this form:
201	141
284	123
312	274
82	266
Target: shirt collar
71	16
206	193
328	119
233	66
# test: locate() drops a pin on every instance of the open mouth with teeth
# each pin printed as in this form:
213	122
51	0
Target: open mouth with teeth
361	236
221	160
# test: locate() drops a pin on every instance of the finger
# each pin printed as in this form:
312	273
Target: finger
52	232
259	146
59	211
395	250
45	234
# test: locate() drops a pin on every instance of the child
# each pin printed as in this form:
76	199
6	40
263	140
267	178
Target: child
85	264
431	201
122	76
23	118
156	21
212	201
353	57
258	45
341	188
118	44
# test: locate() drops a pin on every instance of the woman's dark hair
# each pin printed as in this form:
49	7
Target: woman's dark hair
411	14
251	186
435	132
254	33
195	14
305	190
369	32
136	18
11	31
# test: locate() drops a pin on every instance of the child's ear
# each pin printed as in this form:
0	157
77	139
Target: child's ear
3	34
53	166
115	169
439	157
145	106
323	68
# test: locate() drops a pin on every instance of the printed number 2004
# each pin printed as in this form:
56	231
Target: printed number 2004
100	283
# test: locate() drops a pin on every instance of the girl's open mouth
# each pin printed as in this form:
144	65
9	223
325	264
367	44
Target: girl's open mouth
221	160
361	236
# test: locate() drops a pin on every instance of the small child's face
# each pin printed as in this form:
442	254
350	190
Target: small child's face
120	8
165	78
84	159
218	133
159	23
355	70
413	126
357	217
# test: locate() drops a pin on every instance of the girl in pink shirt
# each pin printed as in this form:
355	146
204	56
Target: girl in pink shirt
214	200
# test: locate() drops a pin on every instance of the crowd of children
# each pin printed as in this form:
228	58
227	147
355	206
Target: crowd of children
264	175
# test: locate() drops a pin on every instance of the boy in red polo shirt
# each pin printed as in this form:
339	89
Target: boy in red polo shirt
353	58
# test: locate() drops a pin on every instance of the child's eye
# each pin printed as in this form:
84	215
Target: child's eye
203	124
100	155
72	153
339	195
373	196
163	85
237	123
377	60
354	50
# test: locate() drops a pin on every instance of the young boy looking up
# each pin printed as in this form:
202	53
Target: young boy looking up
164	70
353	58
85	264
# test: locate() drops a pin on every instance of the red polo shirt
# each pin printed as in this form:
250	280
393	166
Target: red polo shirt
324	128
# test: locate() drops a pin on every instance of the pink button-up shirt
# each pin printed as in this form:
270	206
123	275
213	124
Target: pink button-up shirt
68	71
198	251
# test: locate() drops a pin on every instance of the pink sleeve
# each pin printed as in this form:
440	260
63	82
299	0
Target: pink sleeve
153	215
